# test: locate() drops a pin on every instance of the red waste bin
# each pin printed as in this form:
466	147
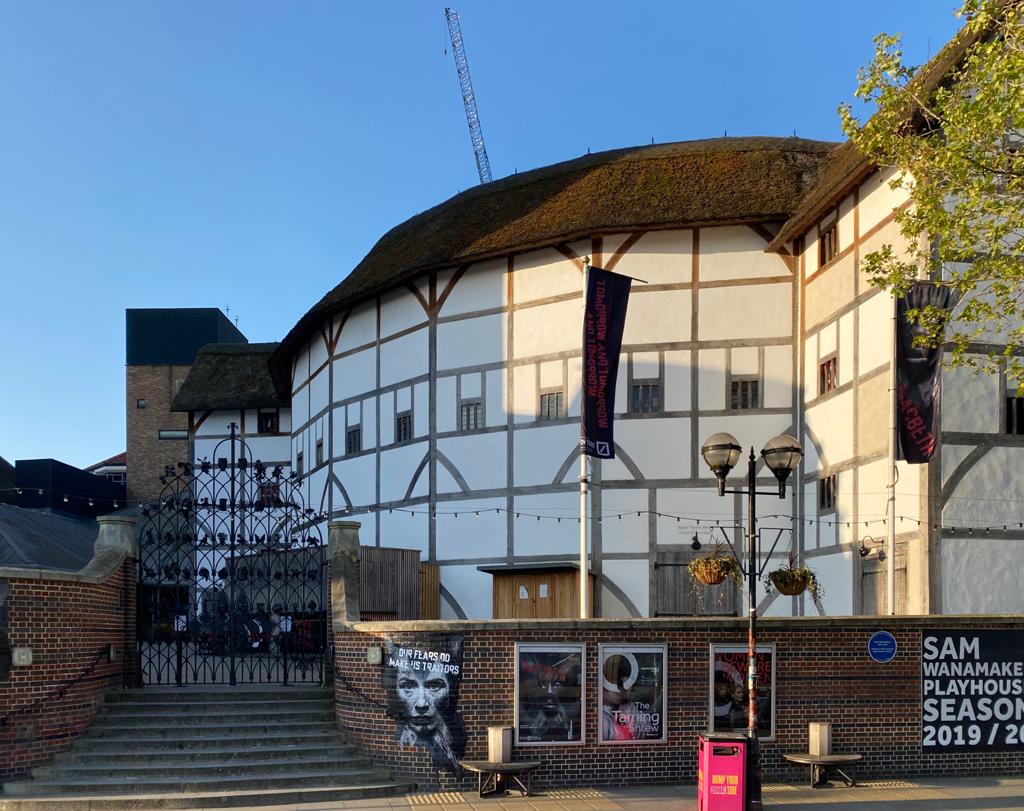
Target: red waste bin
721	772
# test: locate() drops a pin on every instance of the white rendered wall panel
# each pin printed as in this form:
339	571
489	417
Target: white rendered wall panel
633	578
551	374
677	381
754	311
548	328
481	287
970	401
447	407
629	533
480	458
658	257
397	466
360	328
778	376
744	360
711	379
991	494
399	310
877	200
645	364
539	274
354	374
540	452
402	530
319	391
525	392
471	535
370	423
358	475
834	572
875	339
659	316
548	539
846	222
736	252
470	588
976	578
471	342
845	351
830	420
421	409
317	348
496	397
658	446
402	358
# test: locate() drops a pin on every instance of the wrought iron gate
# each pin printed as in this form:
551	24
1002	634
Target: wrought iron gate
232	579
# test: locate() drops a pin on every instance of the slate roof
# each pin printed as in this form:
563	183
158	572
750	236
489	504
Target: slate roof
44	540
225	376
711	182
118	459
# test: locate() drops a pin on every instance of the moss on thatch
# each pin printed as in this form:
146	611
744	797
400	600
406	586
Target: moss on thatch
226	376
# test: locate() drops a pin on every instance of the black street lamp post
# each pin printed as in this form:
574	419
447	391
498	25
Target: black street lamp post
782	455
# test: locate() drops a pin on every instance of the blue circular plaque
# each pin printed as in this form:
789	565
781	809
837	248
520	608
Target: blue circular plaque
882	647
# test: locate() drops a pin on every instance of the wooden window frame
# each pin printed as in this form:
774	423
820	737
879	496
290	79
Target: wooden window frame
268	413
300	464
828	374
404	429
736	398
636	387
827	494
559	395
828	243
319	452
350	432
476	404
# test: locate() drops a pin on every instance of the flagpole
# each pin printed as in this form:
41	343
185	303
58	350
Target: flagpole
584	523
891	483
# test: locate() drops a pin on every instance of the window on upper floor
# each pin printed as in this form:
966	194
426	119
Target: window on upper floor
353	440
744	393
828	244
403	426
827	494
471	415
645	397
319	452
300	466
551	405
1014	410
828	374
268	421
172	433
140	403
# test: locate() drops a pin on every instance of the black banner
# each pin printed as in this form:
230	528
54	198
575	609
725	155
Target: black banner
422	675
972	691
917	376
603	322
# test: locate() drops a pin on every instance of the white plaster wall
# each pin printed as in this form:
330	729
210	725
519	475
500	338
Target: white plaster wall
831	421
317	350
875	342
877	200
399	310
540	452
387	422
478	532
845	352
539	274
691	505
976	578
447	407
677	381
402	530
319	391
481	287
546	538
846	222
778	376
736	252
217	422
471	342
300	367
810	254
970	401
991	494
755	311
834	572
494	402
548	328
659	447
952	456
353	375
397	467
358	475
632	576
574	378
656	316
524	390
471	588
401	358
421	409
628	533
360	328
480	458
711	379
658	257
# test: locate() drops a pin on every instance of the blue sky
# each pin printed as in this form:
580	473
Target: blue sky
247	155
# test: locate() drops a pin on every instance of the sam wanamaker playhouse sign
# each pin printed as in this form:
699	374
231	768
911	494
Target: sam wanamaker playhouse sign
972	690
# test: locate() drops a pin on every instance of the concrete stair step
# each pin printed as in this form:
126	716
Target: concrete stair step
170	755
102	785
219	696
231	729
201	742
256	767
186	716
206	799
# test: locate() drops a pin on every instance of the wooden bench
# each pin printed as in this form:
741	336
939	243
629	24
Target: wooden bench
494	778
821	765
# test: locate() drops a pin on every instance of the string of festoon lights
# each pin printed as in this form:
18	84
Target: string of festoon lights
693	521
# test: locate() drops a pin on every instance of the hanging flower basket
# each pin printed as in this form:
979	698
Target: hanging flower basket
792	580
714	568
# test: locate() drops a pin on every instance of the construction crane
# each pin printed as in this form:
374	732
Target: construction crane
476	135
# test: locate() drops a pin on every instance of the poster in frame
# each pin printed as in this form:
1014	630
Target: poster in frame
634	685
550	694
727	690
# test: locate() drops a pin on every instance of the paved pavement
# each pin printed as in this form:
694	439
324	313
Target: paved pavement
964	794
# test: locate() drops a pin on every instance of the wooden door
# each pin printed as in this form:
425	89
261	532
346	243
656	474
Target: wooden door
525	594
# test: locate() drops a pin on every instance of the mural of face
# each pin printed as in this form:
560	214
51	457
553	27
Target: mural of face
424	696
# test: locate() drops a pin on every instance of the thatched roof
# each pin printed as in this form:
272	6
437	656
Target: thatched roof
711	182
847	167
229	376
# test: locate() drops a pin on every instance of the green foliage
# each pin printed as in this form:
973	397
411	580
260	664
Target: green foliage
715	567
954	133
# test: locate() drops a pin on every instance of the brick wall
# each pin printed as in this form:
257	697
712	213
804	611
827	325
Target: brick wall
146	453
823	673
67	622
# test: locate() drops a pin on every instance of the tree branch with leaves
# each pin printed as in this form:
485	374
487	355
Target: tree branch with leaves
953	132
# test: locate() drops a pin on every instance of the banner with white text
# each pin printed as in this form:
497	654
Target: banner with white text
603	322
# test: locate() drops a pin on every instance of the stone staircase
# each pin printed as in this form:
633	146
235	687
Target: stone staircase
206	748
